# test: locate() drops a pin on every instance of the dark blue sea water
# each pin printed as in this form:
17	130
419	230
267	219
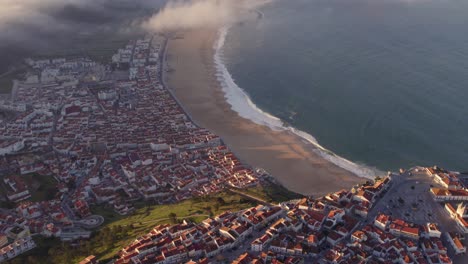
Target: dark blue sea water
379	82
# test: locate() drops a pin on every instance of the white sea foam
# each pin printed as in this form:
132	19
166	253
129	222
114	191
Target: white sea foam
243	105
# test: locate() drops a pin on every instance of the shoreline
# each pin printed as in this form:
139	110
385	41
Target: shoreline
295	164
241	103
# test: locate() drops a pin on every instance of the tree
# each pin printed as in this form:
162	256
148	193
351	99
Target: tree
16	261
210	212
88	247
172	217
60	254
119	229
220	201
32	259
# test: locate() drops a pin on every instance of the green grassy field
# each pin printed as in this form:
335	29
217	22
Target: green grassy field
196	210
272	193
118	231
146	217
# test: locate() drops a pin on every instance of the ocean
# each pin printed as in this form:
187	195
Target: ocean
378	84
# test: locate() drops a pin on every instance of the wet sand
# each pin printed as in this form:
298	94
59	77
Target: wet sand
289	158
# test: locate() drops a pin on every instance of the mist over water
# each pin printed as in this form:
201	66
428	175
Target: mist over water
384	83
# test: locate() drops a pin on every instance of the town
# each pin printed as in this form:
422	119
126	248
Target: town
104	135
348	226
114	134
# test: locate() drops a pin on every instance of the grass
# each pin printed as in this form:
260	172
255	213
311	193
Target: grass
42	187
145	217
272	193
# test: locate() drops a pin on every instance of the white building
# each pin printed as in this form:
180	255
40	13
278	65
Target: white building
32	79
49	75
11	146
159	147
9	106
16	248
445	195
459	215
433	230
107	95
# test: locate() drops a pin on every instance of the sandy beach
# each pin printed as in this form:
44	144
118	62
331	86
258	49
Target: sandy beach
290	159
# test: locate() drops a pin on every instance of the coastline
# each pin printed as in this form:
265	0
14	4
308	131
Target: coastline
242	104
296	163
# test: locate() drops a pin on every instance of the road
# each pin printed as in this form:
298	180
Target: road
168	218
251	197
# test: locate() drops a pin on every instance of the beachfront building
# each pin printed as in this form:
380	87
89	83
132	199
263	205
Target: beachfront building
446	195
459	214
449	180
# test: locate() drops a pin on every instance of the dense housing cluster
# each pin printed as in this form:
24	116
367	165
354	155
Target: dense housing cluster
342	227
112	135
106	135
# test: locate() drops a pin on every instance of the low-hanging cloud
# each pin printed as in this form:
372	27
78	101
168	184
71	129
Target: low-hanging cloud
16	14
33	26
190	14
28	27
20	18
35	21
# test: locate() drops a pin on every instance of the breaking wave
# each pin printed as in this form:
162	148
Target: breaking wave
242	104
